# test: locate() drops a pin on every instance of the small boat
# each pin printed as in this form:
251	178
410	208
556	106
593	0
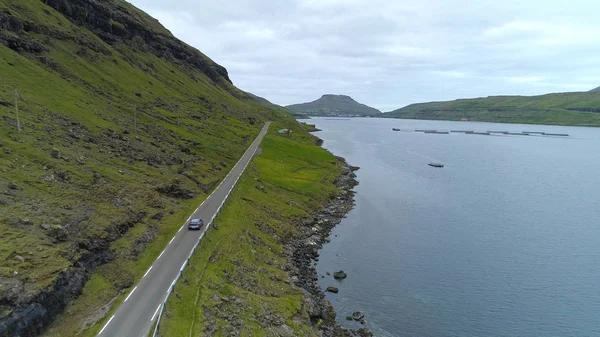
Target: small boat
395	129
436	165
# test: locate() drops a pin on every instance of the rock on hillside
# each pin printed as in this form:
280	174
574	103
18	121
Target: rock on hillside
334	105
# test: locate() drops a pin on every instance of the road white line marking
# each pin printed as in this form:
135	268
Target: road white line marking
161	253
155	313
149	269
107	323
180	229
183	266
131	293
173	238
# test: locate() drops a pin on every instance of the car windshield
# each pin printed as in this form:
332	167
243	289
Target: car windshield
195	221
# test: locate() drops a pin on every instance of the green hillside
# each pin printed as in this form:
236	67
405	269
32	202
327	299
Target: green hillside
124	130
333	105
577	108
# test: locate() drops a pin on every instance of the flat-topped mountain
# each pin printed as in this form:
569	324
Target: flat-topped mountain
334	105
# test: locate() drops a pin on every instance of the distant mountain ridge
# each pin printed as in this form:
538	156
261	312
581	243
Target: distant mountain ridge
334	105
572	108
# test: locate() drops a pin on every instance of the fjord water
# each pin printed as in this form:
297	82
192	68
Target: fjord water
502	241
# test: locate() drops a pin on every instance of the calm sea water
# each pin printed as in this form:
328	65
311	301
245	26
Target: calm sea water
502	241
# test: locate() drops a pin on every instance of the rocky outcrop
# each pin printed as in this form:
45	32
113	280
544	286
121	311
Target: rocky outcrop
113	23
339	275
30	315
33	314
176	190
332	290
357	315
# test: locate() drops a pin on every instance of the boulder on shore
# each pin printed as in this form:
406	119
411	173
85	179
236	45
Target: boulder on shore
332	290
357	315
339	275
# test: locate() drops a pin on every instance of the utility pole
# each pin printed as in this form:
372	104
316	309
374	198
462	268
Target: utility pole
17	110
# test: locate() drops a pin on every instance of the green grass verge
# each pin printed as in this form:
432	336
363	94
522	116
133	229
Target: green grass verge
238	269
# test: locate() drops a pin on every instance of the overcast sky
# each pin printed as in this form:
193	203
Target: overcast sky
388	53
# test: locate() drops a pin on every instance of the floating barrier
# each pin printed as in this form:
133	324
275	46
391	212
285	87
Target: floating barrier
556	134
487	133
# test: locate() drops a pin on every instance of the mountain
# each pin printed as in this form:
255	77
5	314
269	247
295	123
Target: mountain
576	108
111	132
333	105
595	90
267	104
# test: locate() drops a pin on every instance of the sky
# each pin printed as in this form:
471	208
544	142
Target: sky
388	54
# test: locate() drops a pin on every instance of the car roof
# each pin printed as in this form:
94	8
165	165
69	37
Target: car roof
196	220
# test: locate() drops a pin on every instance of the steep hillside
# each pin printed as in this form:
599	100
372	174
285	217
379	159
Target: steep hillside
333	105
595	90
123	130
267	104
577	108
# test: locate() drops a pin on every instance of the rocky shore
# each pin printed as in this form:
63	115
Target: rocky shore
304	251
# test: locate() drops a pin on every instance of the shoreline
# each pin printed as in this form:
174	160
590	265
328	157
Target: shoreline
304	253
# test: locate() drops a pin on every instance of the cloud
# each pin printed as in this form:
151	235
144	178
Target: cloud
391	53
525	79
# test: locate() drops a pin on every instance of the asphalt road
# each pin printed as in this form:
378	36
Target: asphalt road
138	313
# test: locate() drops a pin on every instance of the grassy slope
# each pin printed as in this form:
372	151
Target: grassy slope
545	109
243	259
125	122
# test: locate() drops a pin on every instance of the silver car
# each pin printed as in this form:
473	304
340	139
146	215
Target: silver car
195	224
